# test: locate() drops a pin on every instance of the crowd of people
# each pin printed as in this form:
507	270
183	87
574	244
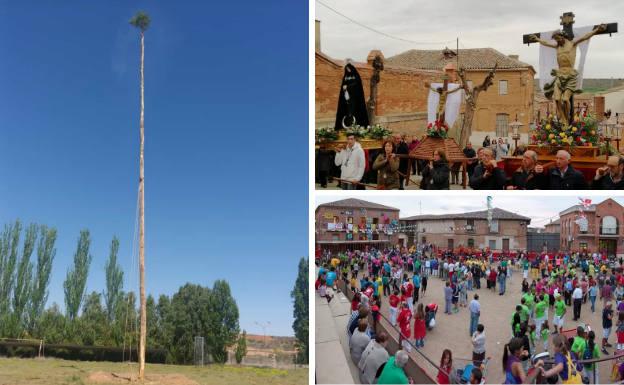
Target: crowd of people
553	286
388	168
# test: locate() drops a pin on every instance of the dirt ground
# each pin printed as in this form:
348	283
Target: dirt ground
452	331
51	371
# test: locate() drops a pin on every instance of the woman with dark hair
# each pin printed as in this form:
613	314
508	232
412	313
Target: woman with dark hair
387	167
436	173
446	365
512	366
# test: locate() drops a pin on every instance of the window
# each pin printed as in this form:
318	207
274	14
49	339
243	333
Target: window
502	125
335	237
494	226
375	221
470	242
350	220
583	245
502	87
492	244
470	226
469	84
451	244
424	240
608	226
375	236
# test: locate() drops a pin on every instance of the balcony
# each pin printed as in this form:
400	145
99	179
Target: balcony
470	229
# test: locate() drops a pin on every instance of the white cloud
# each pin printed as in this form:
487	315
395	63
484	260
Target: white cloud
477	23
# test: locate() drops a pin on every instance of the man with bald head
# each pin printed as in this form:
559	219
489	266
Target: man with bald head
611	176
530	175
564	176
487	175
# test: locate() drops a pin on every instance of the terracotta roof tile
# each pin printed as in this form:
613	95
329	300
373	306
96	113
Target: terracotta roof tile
496	214
356	203
472	58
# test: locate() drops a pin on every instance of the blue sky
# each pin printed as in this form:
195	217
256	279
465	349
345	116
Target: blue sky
226	117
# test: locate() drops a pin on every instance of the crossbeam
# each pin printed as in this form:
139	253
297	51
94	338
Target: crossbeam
611	28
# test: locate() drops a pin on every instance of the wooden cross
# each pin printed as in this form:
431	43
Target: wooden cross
567	19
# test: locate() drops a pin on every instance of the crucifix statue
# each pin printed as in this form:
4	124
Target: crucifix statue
564	83
443	92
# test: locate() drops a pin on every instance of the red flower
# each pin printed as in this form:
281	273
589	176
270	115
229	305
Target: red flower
583	133
429	125
578	138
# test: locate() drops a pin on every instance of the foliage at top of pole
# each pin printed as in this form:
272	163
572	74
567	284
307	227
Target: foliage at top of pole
141	20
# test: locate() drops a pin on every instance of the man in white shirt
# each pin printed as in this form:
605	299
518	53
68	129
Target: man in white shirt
352	162
577	299
445	271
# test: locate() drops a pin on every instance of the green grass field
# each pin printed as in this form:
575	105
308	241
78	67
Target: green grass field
51	371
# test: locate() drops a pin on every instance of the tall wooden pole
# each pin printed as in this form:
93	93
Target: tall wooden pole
142	227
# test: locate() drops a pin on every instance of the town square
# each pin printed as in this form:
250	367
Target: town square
495	274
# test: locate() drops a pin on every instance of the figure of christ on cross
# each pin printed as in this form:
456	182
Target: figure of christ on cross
443	92
564	83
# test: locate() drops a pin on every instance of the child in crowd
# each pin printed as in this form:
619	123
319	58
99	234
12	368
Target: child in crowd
420	329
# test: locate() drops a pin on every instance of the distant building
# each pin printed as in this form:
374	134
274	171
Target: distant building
354	224
614	100
511	94
540	240
507	231
553	227
601	230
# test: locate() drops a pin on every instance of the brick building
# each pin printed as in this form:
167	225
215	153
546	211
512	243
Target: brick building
508	231
353	224
553	227
601	231
401	97
511	95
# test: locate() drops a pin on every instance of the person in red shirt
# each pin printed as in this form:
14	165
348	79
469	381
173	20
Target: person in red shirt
409	292
446	365
420	328
394	301
405	316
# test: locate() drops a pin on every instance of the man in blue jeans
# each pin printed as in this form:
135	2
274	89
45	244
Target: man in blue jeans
475	312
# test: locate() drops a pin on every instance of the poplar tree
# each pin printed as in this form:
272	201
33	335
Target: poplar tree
76	280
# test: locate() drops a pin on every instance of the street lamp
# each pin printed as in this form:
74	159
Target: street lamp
515	133
618	130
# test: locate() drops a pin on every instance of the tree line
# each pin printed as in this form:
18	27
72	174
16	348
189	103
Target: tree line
109	318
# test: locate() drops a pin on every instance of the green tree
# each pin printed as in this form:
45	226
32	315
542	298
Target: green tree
223	321
241	347
8	258
188	316
154	325
300	312
94	328
76	281
114	280
23	283
52	326
45	257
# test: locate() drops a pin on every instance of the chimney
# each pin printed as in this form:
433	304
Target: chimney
317	35
515	57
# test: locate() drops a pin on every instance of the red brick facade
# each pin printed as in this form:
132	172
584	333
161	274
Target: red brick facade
604	230
401	95
361	219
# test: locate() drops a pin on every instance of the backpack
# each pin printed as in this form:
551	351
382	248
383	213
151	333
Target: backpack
574	377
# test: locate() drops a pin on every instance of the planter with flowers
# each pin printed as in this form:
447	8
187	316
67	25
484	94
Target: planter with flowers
371	137
437	129
579	138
